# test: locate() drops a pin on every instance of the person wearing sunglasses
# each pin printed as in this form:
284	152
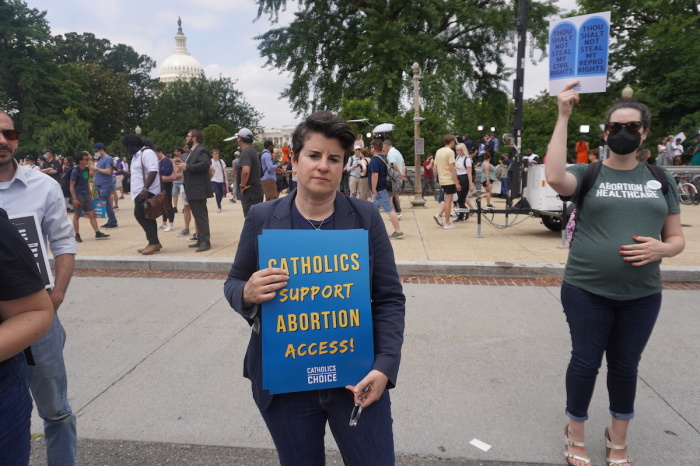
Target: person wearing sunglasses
25	191
611	292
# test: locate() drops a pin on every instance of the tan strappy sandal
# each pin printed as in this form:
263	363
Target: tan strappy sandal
571	443
611	446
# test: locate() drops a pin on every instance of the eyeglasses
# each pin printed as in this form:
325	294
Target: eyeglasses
357	409
10	134
613	126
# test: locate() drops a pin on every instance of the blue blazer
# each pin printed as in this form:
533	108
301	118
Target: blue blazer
386	292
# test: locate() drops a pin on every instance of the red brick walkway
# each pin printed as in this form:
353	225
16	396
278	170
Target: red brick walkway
427	280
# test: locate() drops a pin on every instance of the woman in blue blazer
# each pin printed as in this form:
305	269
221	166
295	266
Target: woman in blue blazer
297	421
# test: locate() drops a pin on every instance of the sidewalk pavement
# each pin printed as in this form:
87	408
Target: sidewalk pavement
155	377
526	249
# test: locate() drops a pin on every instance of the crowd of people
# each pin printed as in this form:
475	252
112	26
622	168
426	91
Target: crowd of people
611	284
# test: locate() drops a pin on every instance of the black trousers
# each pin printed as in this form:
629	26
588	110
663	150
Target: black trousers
463	193
201	219
170	216
150	226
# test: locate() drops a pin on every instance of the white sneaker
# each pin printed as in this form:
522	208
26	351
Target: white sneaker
161	227
168	228
399	215
449	226
438	220
218	210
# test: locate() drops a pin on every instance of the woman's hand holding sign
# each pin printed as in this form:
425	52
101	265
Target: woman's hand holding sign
263	285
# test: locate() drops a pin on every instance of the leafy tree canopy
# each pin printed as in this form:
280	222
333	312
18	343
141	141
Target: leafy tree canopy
365	49
655	48
68	136
183	105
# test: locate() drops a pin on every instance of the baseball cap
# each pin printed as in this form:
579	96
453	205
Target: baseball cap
244	133
98	146
47	151
237	153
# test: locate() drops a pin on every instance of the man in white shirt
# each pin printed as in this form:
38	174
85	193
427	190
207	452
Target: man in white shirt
395	159
24	190
145	183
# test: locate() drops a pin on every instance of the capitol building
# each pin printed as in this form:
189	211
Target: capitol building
179	65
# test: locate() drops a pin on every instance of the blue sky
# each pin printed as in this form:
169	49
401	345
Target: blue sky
220	34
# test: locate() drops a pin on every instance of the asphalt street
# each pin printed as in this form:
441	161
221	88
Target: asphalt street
155	377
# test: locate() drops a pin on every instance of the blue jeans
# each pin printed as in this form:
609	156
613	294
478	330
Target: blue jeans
49	385
505	186
621	330
297	424
104	192
219	191
15	412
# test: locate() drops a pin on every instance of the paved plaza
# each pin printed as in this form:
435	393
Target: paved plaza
155	364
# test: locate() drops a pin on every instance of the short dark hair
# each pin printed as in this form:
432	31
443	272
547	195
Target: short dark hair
157	149
376	144
627	102
179	149
80	155
133	143
198	135
329	125
268	143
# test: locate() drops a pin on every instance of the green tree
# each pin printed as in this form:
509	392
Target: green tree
198	103
121	59
365	49
214	136
31	88
432	129
365	109
68	136
655	47
106	98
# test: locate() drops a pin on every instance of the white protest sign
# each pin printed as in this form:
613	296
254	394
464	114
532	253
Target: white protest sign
578	51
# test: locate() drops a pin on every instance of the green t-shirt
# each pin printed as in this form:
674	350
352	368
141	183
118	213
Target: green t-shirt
620	204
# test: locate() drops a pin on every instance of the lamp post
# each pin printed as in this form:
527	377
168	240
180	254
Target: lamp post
418	142
627	92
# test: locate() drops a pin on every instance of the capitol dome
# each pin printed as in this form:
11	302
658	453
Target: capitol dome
179	65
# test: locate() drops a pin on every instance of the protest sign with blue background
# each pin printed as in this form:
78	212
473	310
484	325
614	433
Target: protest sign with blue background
317	331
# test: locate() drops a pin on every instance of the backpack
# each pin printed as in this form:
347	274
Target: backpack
394	183
262	169
587	183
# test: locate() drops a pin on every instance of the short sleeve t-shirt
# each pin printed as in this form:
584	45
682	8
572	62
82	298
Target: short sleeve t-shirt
219	167
377	165
620	204
249	158
165	167
100	178
443	158
56	165
81	177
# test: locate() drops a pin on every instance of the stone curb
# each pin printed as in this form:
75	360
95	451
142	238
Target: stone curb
405	267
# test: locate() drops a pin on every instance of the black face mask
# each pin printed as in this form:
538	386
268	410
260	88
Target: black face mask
624	141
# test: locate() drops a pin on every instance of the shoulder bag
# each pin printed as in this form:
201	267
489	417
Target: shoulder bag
157	205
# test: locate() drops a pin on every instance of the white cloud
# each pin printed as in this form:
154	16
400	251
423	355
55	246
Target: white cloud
261	88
